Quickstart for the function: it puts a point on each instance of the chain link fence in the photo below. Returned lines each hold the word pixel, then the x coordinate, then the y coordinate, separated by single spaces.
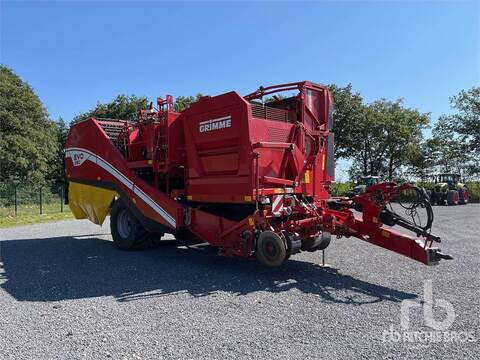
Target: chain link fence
pixel 21 199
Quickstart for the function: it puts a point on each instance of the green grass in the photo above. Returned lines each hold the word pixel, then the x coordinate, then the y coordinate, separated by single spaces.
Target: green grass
pixel 30 214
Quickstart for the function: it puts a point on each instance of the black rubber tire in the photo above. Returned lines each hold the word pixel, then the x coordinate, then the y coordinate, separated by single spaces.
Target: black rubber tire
pixel 452 197
pixel 127 232
pixel 437 198
pixel 324 243
pixel 429 196
pixel 463 196
pixel 316 243
pixel 271 250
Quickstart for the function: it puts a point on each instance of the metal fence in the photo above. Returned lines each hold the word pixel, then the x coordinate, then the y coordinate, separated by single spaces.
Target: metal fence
pixel 21 199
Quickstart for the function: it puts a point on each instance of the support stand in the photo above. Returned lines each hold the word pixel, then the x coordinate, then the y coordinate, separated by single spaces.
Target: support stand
pixel 324 265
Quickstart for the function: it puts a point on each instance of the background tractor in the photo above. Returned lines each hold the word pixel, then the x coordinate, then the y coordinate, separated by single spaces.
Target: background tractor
pixel 448 189
pixel 363 183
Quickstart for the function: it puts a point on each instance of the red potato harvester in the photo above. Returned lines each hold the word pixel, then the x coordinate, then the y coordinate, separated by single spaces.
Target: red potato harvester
pixel 248 177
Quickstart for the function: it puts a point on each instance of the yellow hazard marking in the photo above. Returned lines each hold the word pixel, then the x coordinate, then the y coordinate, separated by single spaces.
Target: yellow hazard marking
pixel 89 202
pixel 375 220
pixel 251 222
pixel 150 162
pixel 248 198
pixel 278 191
pixel 189 197
pixel 385 234
pixel 134 200
pixel 323 161
pixel 306 177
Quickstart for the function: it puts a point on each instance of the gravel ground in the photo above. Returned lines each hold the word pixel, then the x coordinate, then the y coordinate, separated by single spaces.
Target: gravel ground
pixel 67 293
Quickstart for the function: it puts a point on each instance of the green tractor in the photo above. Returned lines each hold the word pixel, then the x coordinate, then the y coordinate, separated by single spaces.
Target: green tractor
pixel 363 183
pixel 448 189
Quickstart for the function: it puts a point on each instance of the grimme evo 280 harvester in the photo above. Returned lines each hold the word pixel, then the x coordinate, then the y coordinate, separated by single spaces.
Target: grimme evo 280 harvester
pixel 248 177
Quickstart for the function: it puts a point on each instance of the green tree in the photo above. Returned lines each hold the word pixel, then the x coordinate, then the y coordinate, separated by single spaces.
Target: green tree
pixel 457 136
pixel 57 165
pixel 381 138
pixel 27 137
pixel 466 122
pixel 123 107
pixel 421 163
pixel 184 102
pixel 446 149
pixel 349 121
pixel 396 136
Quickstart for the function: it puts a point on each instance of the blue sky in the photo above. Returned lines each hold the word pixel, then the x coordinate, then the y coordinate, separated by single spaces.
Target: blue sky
pixel 77 53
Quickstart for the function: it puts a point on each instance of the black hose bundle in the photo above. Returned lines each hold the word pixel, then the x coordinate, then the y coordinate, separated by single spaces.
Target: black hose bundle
pixel 416 206
pixel 412 210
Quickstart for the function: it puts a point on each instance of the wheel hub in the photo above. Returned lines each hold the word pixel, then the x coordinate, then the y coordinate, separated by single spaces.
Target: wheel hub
pixel 271 249
pixel 124 224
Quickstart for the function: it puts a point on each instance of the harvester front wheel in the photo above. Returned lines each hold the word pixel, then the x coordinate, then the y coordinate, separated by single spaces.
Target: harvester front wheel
pixel 452 197
pixel 127 232
pixel 271 249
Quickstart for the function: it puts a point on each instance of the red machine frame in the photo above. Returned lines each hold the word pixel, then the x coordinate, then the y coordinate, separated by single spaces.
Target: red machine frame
pixel 230 168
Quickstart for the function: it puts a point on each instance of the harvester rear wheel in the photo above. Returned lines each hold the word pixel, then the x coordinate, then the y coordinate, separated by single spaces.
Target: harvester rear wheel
pixel 127 232
pixel 452 197
pixel 271 249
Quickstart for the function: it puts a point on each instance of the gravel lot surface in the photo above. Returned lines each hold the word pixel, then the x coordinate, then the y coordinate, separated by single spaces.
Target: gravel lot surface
pixel 67 293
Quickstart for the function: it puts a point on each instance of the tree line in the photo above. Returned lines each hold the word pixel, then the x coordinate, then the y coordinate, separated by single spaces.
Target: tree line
pixel 385 138
pixel 382 138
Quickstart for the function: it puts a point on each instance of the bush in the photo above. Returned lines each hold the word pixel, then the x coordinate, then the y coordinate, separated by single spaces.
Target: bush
pixel 340 189
pixel 474 190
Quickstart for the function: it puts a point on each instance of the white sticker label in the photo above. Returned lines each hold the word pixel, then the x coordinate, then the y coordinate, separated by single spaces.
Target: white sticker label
pixel 78 157
pixel 215 124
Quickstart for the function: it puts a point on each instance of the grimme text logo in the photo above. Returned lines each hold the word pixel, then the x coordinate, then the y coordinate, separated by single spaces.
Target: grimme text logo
pixel 215 124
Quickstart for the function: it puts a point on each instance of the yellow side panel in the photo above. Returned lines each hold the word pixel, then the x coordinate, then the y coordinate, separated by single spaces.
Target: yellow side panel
pixel 89 202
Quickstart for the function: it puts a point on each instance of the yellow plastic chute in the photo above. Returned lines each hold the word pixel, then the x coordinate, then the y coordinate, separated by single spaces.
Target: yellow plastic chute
pixel 90 202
